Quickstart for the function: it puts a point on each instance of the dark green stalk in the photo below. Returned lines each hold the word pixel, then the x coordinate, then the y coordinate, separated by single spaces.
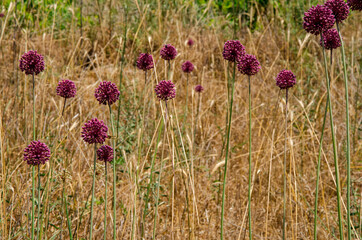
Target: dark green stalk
pixel 105 201
pixel 65 101
pixel 68 219
pixel 157 198
pixel 285 163
pixel 348 154
pixel 93 183
pixel 227 153
pixel 33 168
pixel 39 201
pixel 187 84
pixel 340 222
pixel 249 194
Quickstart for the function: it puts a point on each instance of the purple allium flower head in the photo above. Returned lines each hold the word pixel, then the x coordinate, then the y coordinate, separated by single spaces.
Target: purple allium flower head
pixel 285 79
pixel 165 90
pixel 190 42
pixel 107 93
pixel 2 15
pixel 339 8
pixel 36 153
pixel 145 61
pixel 66 89
pixel 187 67
pixel 31 63
pixel 233 50
pixel 248 65
pixel 168 52
pixel 199 88
pixel 105 153
pixel 318 19
pixel 355 5
pixel 94 131
pixel 331 39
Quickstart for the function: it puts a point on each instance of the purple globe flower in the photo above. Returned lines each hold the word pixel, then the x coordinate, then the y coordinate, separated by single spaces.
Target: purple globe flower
pixel 31 63
pixel 318 19
pixel 233 50
pixel 285 79
pixel 94 131
pixel 145 61
pixel 331 39
pixel 355 5
pixel 36 153
pixel 190 42
pixel 105 153
pixel 339 8
pixel 107 93
pixel 66 89
pixel 199 88
pixel 187 67
pixel 248 65
pixel 2 15
pixel 165 90
pixel 168 52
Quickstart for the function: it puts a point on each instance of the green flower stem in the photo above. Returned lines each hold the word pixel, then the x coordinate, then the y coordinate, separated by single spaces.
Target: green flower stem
pixel 93 183
pixel 249 193
pixel 39 201
pixel 227 153
pixel 348 152
pixel 340 222
pixel 285 163
pixel 33 168
pixel 105 201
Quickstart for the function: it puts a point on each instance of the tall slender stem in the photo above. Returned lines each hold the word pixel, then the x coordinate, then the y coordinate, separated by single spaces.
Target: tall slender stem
pixel 348 151
pixel 340 222
pixel 93 183
pixel 65 102
pixel 227 153
pixel 39 201
pixel 285 163
pixel 105 200
pixel 249 194
pixel 33 168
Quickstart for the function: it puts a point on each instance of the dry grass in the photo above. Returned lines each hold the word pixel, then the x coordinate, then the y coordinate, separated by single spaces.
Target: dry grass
pixel 191 158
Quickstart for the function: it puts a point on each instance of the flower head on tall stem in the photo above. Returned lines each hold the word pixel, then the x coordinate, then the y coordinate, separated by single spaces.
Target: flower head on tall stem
pixel 248 65
pixel 190 42
pixel 36 153
pixel 66 89
pixel 355 5
pixel 285 79
pixel 31 63
pixel 318 19
pixel 105 153
pixel 168 52
pixel 233 50
pixel 331 39
pixel 145 61
pixel 107 93
pixel 187 67
pixel 165 90
pixel 2 15
pixel 199 89
pixel 94 131
pixel 339 8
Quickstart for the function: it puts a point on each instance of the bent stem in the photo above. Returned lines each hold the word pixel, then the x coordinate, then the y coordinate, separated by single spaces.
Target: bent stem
pixel 249 193
pixel 105 200
pixel 93 183
pixel 285 162
pixel 227 153
pixel 334 144
pixel 348 154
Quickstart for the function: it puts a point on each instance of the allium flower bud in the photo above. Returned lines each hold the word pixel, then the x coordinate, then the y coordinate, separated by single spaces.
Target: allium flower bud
pixel 31 63
pixel 105 153
pixel 2 15
pixel 199 88
pixel 107 93
pixel 318 19
pixel 187 67
pixel 36 153
pixel 168 52
pixel 248 65
pixel 145 61
pixel 285 79
pixel 331 39
pixel 94 131
pixel 66 89
pixel 355 5
pixel 233 50
pixel 339 8
pixel 190 42
pixel 165 90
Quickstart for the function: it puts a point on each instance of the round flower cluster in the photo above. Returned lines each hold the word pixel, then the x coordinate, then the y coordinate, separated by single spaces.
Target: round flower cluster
pixel 285 79
pixel 66 89
pixel 165 90
pixel 107 93
pixel 199 88
pixel 105 153
pixel 233 50
pixel 331 39
pixel 318 19
pixel 190 42
pixel 339 8
pixel 145 61
pixel 94 131
pixel 31 63
pixel 248 65
pixel 187 67
pixel 355 5
pixel 168 52
pixel 36 153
